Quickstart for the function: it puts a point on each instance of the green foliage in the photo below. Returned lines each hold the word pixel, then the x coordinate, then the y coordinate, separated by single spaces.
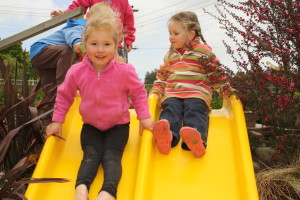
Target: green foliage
pixel 14 51
pixel 148 87
pixel 150 77
pixel 16 58
pixel 217 101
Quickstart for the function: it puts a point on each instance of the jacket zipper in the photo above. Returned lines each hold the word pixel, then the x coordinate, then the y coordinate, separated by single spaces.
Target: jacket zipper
pixel 98 75
pixel 181 56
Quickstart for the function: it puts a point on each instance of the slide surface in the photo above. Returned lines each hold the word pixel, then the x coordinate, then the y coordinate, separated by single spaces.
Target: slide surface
pixel 224 173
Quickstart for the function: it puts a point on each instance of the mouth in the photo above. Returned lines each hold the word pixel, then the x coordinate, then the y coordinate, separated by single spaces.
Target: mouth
pixel 100 57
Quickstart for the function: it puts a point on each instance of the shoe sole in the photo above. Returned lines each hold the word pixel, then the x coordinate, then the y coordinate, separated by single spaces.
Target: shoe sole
pixel 163 136
pixel 193 140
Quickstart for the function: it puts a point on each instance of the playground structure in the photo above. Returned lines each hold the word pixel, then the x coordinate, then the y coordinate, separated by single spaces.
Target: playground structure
pixel 225 172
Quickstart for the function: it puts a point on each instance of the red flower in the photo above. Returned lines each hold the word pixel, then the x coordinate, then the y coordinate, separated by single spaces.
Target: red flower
pixel 292 84
pixel 278 151
pixel 243 33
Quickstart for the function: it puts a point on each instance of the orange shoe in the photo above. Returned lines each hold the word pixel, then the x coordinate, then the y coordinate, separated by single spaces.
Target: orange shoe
pixel 163 136
pixel 193 140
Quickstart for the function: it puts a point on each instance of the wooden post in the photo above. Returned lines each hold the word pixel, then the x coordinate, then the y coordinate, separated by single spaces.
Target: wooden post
pixel 45 26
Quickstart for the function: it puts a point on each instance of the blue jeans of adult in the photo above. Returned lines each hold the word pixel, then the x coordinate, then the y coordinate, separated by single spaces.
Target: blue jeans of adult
pixel 106 148
pixel 191 112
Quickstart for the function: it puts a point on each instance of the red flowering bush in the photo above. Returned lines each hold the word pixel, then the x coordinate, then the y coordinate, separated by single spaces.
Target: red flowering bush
pixel 265 44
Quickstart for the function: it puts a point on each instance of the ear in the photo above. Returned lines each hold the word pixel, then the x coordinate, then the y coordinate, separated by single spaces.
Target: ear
pixel 192 34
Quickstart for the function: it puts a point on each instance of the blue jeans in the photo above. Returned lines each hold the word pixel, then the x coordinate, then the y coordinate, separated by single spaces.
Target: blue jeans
pixel 105 147
pixel 191 112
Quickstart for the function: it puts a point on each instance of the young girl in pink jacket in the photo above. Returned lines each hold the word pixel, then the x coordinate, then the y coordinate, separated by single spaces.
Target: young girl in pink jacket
pixel 104 85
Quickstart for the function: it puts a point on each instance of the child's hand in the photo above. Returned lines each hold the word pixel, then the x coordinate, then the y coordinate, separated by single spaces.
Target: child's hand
pixel 128 48
pixel 54 128
pixel 79 50
pixel 78 47
pixel 147 124
pixel 56 13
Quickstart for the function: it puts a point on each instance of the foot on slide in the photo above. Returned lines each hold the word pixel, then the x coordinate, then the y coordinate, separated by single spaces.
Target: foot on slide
pixel 192 138
pixel 163 136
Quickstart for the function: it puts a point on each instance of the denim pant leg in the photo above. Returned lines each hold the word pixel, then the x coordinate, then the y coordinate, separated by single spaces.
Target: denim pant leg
pixel 196 116
pixel 114 144
pixel 173 111
pixel 92 144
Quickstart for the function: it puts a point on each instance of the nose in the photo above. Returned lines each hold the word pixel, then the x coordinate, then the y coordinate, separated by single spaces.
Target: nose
pixel 100 48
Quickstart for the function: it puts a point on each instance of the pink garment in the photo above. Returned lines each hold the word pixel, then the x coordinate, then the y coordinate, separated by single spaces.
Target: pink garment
pixel 104 95
pixel 122 6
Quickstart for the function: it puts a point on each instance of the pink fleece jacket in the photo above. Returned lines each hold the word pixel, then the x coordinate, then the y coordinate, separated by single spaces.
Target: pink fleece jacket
pixel 122 6
pixel 104 95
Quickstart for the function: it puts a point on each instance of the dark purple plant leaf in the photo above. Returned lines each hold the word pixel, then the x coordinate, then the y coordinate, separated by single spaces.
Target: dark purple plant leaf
pixel 36 126
pixel 19 168
pixel 25 87
pixel 16 106
pixel 4 144
pixel 48 99
pixel 27 160
pixel 33 93
pixel 19 184
pixel 21 196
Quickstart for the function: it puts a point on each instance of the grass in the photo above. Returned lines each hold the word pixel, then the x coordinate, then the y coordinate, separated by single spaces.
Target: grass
pixel 279 183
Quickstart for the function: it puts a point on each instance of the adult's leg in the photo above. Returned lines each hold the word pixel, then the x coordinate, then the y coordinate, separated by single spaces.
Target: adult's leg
pixel 113 147
pixel 52 64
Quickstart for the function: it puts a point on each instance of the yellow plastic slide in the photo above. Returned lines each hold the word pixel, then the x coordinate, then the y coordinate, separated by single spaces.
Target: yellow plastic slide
pixel 224 173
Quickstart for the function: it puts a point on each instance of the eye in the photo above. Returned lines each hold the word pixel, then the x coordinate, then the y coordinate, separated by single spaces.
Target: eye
pixel 107 44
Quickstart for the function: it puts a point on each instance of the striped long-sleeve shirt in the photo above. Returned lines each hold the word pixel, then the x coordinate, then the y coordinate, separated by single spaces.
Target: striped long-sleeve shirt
pixel 194 74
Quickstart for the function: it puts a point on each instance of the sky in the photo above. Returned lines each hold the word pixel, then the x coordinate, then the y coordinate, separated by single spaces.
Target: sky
pixel 152 41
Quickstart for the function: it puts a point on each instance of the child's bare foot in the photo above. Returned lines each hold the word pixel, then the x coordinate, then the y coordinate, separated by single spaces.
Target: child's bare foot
pixel 163 136
pixel 103 195
pixel 192 139
pixel 81 193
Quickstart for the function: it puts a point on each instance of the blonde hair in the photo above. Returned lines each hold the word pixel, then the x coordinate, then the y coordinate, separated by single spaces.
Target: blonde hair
pixel 108 24
pixel 190 22
pixel 105 19
pixel 102 10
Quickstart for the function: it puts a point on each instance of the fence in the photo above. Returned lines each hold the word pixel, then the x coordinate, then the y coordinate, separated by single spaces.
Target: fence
pixel 20 82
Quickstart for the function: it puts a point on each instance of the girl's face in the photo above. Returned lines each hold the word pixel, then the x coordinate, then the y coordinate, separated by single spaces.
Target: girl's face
pixel 100 48
pixel 179 36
